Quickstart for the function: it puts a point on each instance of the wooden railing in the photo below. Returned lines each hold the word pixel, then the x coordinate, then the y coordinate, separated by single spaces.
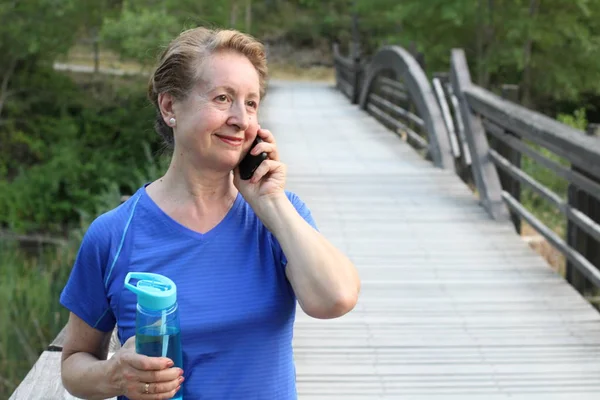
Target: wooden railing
pixel 349 72
pixel 394 89
pixel 43 382
pixel 484 138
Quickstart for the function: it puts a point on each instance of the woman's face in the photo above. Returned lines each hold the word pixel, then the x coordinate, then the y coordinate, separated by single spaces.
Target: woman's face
pixel 217 122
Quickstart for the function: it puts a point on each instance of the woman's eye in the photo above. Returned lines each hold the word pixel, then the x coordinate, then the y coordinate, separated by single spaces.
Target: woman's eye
pixel 252 104
pixel 222 98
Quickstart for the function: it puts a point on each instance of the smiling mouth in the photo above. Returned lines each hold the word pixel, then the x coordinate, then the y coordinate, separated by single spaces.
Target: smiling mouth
pixel 231 140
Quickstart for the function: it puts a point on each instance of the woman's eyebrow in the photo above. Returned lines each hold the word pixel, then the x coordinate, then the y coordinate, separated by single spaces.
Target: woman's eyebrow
pixel 231 91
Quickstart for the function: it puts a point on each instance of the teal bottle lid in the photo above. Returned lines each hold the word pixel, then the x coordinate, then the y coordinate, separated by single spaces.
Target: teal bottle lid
pixel 154 291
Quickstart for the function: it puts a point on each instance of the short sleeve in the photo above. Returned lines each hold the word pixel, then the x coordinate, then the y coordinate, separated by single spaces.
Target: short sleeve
pixel 85 294
pixel 305 213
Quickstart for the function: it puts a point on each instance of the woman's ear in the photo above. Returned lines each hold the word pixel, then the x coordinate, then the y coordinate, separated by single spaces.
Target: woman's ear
pixel 165 103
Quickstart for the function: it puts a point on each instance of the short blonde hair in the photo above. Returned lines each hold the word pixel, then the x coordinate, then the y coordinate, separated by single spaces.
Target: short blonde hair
pixel 180 65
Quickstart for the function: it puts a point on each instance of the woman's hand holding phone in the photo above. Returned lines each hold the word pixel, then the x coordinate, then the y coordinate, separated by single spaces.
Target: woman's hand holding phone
pixel 268 177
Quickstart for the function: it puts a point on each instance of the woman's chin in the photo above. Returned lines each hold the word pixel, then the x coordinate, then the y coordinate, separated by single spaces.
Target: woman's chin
pixel 219 161
pixel 228 162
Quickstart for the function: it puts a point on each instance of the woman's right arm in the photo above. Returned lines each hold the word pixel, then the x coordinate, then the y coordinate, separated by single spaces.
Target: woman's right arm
pixel 86 372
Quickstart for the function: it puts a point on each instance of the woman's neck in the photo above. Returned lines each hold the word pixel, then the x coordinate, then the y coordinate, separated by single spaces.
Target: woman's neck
pixel 185 187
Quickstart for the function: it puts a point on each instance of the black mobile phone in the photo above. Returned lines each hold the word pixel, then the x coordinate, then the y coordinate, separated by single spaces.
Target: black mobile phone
pixel 250 162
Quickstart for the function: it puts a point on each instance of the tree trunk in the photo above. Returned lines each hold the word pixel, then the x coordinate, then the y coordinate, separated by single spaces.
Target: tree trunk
pixel 489 44
pixel 5 82
pixel 479 39
pixel 485 41
pixel 233 13
pixel 526 79
pixel 248 16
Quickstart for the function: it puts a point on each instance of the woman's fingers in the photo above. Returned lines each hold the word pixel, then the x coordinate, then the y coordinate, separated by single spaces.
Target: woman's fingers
pixel 164 390
pixel 145 363
pixel 268 145
pixel 166 375
pixel 153 384
pixel 268 148
pixel 159 396
pixel 263 169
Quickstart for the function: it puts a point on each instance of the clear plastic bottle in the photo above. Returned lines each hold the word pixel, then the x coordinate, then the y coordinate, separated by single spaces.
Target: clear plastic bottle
pixel 157 331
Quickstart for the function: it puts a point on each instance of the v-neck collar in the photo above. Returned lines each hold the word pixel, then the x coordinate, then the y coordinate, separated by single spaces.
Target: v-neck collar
pixel 172 224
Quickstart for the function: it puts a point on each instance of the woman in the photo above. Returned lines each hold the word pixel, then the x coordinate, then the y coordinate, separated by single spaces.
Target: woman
pixel 241 252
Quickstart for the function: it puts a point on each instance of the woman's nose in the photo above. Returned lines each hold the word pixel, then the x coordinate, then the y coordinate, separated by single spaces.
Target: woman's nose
pixel 239 117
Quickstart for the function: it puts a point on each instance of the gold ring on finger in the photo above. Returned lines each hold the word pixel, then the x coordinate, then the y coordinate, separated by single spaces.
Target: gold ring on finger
pixel 147 388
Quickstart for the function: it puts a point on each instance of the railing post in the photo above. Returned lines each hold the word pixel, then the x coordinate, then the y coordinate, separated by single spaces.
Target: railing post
pixel 512 186
pixel 484 171
pixel 576 237
pixel 336 68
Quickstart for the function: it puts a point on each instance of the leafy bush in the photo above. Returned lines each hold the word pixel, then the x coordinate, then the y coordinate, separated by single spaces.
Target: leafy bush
pixel 31 282
pixel 135 34
pixel 546 212
pixel 63 146
pixel 32 316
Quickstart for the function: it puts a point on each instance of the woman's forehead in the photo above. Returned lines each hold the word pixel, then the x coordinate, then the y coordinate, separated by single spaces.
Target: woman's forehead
pixel 229 70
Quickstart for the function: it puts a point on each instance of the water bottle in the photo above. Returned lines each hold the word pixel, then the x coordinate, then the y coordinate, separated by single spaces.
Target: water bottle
pixel 157 332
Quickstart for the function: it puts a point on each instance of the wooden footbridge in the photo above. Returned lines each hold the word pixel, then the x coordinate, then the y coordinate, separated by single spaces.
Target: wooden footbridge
pixel 420 182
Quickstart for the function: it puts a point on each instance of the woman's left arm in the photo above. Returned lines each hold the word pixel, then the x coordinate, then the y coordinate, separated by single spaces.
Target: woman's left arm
pixel 324 280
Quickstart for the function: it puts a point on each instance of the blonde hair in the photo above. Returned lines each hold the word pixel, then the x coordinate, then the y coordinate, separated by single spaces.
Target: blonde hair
pixel 180 65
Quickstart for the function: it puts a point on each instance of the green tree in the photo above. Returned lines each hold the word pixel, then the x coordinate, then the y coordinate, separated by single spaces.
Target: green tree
pixel 139 34
pixel 24 41
pixel 548 47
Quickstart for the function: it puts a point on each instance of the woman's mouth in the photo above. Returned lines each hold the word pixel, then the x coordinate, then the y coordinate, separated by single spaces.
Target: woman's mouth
pixel 231 140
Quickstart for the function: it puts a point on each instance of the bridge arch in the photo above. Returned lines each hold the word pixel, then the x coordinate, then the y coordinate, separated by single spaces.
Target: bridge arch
pixel 400 62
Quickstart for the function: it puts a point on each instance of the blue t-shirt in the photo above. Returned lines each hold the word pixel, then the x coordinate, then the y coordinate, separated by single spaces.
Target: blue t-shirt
pixel 236 306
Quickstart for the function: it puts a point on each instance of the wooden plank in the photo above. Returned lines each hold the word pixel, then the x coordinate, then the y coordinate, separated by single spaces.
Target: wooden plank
pixel 484 172
pixel 580 180
pixel 460 127
pixel 346 62
pixel 580 262
pixel 43 381
pixel 584 240
pixel 396 85
pixel 407 115
pixel 583 222
pixel 58 342
pixel 400 127
pixel 400 97
pixel 570 143
pixel 443 102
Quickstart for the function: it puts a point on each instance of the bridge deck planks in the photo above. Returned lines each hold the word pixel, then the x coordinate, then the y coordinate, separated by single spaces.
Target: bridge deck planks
pixel 453 304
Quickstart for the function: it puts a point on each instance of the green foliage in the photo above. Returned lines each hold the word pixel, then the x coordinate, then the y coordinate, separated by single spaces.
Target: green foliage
pixel 66 144
pixel 139 35
pixel 31 315
pixel 31 281
pixel 435 29
pixel 546 212
pixel 578 120
pixel 52 32
pixel 496 36
pixel 24 45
